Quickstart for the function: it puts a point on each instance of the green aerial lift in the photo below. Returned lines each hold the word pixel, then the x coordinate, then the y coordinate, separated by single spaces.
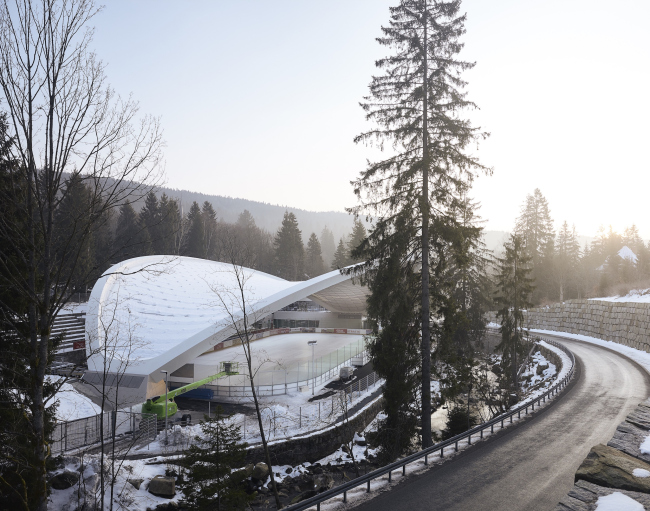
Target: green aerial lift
pixel 157 404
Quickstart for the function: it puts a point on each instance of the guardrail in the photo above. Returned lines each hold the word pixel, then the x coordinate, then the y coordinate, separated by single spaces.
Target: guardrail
pixel 478 430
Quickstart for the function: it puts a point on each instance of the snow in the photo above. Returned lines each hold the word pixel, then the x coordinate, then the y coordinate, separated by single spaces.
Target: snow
pixel 641 472
pixel 169 299
pixel 641 357
pixel 645 445
pixel 125 495
pixel 634 296
pixel 72 404
pixel 626 253
pixel 618 502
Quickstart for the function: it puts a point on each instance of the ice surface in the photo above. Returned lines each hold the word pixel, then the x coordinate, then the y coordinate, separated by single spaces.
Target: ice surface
pixel 618 502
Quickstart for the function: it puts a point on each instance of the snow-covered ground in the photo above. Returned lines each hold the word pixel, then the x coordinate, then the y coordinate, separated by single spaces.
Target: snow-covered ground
pixel 634 296
pixel 617 502
pixel 72 404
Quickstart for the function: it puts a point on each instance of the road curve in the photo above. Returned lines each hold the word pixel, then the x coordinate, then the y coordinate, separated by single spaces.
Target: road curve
pixel 530 466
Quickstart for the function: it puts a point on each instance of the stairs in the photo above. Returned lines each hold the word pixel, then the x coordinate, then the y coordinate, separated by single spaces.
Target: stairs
pixel 73 328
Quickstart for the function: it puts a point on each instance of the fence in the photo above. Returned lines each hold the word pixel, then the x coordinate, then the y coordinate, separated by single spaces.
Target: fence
pixel 89 431
pixel 439 447
pixel 299 377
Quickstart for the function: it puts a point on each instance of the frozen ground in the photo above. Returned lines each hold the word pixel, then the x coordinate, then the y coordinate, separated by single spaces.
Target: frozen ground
pixel 72 404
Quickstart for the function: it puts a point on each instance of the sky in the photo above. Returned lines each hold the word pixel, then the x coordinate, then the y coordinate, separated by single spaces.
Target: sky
pixel 259 99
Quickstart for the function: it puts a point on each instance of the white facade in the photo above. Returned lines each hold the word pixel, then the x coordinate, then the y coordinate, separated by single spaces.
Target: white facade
pixel 158 313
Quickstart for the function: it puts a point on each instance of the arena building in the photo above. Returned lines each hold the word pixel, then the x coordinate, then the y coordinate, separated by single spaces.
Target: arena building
pixel 158 314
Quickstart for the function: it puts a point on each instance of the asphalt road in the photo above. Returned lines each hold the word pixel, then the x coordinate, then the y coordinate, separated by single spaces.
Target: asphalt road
pixel 530 466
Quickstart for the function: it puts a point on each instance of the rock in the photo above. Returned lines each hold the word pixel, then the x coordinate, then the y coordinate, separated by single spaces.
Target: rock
pixel 611 468
pixel 345 449
pixel 584 495
pixel 288 470
pixel 323 482
pixel 317 470
pixel 162 486
pixel 361 442
pixel 263 490
pixel 64 480
pixel 260 472
pixel 541 368
pixel 496 369
pixel 282 494
pixel 135 483
pixel 241 474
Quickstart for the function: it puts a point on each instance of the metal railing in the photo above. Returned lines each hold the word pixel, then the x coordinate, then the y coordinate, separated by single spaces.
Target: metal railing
pixel 467 435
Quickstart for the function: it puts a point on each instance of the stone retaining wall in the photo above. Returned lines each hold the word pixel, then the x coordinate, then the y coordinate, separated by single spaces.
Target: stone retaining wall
pixel 626 323
pixel 314 447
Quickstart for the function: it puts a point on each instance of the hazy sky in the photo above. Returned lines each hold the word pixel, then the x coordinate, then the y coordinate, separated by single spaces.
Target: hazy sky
pixel 259 99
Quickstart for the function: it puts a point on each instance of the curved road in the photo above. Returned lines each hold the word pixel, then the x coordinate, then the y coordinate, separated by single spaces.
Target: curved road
pixel 531 465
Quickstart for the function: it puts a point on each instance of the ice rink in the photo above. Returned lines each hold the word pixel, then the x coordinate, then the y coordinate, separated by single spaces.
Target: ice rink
pixel 288 356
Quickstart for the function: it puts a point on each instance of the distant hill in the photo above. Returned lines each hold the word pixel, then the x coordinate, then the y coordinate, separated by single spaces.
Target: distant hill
pixel 267 216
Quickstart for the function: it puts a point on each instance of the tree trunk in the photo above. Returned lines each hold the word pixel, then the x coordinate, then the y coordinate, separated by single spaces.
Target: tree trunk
pixel 424 205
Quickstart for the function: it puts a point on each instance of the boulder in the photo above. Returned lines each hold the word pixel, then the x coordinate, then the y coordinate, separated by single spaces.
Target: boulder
pixel 611 468
pixel 135 483
pixel 162 486
pixel 323 482
pixel 303 496
pixel 260 472
pixel 584 495
pixel 243 473
pixel 64 480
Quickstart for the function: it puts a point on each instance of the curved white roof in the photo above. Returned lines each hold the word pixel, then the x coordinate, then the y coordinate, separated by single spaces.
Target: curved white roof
pixel 158 312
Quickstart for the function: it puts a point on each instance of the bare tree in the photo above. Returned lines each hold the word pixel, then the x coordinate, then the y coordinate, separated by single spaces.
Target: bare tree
pixel 65 120
pixel 236 302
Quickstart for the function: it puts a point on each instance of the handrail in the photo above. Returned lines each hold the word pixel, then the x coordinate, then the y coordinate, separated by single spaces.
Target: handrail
pixel 389 469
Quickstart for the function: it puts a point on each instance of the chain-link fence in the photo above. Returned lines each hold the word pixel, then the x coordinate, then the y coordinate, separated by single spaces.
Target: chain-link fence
pixel 128 429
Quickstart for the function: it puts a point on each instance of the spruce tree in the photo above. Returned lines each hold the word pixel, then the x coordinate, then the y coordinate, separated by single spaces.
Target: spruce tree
pixel 514 288
pixel 289 249
pixel 209 218
pixel 341 259
pixel 567 259
pixel 314 265
pixel 535 226
pixel 151 220
pixel 356 238
pixel 195 243
pixel 128 234
pixel 328 245
pixel 417 104
pixel 209 480
pixel 170 226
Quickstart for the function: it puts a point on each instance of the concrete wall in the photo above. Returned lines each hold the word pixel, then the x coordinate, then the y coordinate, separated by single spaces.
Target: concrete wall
pixel 626 323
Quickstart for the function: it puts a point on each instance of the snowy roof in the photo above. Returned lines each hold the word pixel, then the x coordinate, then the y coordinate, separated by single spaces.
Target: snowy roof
pixel 158 312
pixel 626 253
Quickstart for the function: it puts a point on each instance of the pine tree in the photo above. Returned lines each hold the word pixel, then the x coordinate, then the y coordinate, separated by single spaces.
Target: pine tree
pixel 417 104
pixel 209 482
pixel 535 226
pixel 258 243
pixel 514 288
pixel 328 245
pixel 341 259
pixel 314 265
pixel 356 238
pixel 195 243
pixel 289 249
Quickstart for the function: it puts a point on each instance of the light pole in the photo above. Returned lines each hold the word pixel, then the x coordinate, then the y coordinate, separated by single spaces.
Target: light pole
pixel 166 387
pixel 313 370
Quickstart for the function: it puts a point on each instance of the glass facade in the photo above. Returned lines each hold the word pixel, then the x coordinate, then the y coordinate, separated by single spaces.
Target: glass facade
pixel 295 323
